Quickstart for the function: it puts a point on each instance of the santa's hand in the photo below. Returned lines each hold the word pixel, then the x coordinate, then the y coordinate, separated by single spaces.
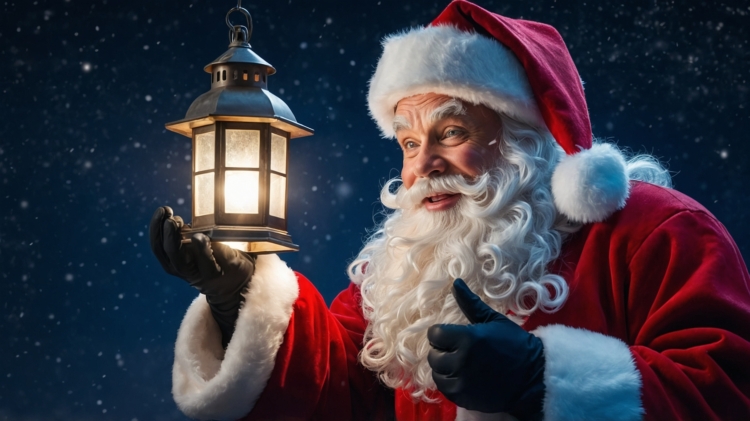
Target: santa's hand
pixel 491 365
pixel 217 271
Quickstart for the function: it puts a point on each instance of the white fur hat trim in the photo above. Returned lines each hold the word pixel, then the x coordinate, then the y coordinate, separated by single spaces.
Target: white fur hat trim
pixel 446 60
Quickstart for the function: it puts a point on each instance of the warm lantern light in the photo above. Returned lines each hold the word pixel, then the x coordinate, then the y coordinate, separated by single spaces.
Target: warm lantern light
pixel 240 134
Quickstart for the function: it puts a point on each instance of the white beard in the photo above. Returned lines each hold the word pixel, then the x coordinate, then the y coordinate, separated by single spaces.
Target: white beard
pixel 499 238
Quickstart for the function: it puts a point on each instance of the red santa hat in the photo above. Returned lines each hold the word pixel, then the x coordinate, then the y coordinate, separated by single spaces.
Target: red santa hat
pixel 518 68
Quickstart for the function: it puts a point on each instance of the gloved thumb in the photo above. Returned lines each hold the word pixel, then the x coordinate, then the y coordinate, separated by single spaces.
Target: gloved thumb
pixel 476 310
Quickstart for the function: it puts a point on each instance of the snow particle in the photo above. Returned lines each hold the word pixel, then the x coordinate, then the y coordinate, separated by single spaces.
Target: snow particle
pixel 104 240
pixel 302 45
pixel 24 204
pixel 352 63
pixel 180 201
pixel 145 350
pixel 146 47
pixel 148 98
pixel 724 154
pixel 314 188
pixel 343 190
pixel 86 67
pixel 365 160
pixel 69 277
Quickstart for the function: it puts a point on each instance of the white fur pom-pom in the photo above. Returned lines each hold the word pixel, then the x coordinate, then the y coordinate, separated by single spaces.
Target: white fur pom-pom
pixel 592 184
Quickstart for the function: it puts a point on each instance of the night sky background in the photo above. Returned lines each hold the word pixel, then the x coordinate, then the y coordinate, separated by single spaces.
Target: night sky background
pixel 88 318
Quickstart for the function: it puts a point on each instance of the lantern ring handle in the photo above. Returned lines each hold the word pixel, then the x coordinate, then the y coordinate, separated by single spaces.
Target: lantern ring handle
pixel 244 11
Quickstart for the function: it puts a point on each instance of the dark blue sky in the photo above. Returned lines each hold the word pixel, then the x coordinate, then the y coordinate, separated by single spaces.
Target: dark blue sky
pixel 88 316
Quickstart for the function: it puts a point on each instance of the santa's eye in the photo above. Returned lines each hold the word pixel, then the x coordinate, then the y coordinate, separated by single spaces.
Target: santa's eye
pixel 452 133
pixel 410 144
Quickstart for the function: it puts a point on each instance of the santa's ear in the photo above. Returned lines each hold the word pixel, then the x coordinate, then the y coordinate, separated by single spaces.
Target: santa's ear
pixel 476 310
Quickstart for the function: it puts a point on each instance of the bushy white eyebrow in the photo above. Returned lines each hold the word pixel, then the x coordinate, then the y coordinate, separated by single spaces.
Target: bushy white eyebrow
pixel 449 108
pixel 400 123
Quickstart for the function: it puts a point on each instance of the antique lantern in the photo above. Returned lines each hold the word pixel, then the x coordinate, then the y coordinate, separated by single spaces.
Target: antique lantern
pixel 240 133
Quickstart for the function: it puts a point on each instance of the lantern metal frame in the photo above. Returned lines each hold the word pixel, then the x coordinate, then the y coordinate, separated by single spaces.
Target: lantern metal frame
pixel 239 100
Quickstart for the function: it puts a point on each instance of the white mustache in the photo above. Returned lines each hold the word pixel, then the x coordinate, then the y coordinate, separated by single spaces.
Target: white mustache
pixel 412 198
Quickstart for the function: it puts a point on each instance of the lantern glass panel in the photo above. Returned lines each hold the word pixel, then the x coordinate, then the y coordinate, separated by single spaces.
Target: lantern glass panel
pixel 278 153
pixel 205 156
pixel 277 196
pixel 241 191
pixel 204 194
pixel 243 148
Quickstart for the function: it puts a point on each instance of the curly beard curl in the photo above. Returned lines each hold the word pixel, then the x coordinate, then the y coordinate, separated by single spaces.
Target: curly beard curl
pixel 499 238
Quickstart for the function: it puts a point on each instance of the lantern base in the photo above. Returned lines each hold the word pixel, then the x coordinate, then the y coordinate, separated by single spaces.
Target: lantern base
pixel 250 240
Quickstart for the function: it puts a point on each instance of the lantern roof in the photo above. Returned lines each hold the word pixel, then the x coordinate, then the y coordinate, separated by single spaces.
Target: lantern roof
pixel 239 91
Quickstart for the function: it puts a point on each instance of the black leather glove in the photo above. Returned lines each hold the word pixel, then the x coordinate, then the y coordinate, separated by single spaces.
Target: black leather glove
pixel 217 271
pixel 491 365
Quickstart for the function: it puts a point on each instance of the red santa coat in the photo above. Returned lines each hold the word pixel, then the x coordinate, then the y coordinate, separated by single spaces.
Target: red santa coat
pixel 656 327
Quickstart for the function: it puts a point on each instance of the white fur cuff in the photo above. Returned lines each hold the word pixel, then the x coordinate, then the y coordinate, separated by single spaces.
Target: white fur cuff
pixel 588 376
pixel 592 184
pixel 208 383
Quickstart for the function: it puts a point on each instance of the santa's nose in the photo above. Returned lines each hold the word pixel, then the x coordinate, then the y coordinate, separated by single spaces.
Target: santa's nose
pixel 429 163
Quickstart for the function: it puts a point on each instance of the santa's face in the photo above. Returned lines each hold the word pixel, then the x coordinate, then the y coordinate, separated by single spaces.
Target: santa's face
pixel 499 236
pixel 440 135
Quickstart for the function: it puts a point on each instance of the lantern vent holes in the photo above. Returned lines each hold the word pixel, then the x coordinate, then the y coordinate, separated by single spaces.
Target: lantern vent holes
pixel 233 74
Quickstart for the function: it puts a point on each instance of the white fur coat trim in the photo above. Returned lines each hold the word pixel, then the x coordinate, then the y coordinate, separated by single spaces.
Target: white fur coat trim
pixel 446 60
pixel 209 383
pixel 592 184
pixel 588 376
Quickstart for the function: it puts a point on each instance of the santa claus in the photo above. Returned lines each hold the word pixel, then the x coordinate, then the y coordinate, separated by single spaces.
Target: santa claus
pixel 523 273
